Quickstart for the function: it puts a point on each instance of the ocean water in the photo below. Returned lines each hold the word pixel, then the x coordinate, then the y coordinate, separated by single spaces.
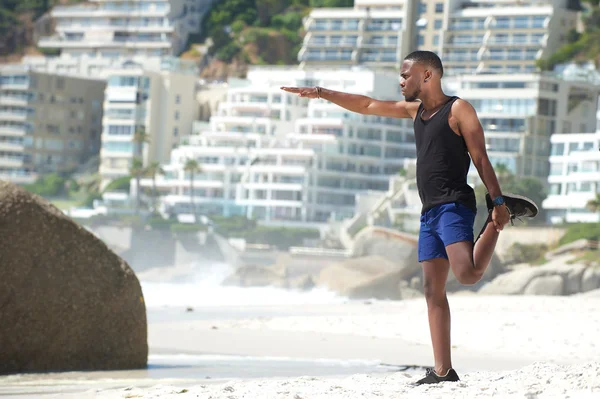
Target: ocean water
pixel 202 287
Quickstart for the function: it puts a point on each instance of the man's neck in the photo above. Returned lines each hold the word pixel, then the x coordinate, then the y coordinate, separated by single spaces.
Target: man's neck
pixel 434 102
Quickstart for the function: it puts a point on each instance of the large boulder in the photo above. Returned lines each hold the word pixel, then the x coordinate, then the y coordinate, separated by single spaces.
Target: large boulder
pixel 370 277
pixel 558 277
pixel 67 302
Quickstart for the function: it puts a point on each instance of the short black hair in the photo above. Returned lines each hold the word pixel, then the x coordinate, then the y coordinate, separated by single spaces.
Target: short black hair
pixel 427 58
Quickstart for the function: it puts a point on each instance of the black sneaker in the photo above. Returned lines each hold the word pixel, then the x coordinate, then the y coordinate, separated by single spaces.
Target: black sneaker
pixel 432 378
pixel 518 206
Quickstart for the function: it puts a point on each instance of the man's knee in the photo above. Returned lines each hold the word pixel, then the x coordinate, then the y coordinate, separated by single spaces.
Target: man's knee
pixel 433 292
pixel 468 275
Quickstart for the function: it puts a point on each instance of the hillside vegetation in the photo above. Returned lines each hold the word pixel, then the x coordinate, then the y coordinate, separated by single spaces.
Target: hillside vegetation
pixel 258 32
pixel 16 23
pixel 581 46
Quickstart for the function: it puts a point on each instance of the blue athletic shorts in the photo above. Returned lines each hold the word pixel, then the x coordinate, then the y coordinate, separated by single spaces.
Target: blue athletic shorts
pixel 443 225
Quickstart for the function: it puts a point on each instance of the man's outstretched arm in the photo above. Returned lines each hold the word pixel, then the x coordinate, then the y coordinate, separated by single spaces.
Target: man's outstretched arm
pixel 358 103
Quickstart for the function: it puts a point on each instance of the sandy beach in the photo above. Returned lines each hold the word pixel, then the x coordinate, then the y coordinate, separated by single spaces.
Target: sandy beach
pixel 522 347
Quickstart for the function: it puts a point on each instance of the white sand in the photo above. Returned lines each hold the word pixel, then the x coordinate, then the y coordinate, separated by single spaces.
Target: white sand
pixel 521 347
pixel 535 381
pixel 562 329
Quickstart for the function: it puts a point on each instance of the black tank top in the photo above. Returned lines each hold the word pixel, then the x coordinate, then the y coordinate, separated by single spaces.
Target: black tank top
pixel 442 161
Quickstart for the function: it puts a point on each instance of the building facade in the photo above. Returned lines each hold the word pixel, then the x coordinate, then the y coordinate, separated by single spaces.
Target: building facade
pixel 519 114
pixel 272 155
pixel 112 29
pixel 48 123
pixel 506 36
pixel 372 33
pixel 161 104
pixel 574 178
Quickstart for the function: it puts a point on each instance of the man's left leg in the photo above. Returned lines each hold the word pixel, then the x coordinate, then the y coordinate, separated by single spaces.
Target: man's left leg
pixel 468 260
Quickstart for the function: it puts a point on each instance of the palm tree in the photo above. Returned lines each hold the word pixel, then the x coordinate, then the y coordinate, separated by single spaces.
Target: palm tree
pixel 140 137
pixel 594 204
pixel 504 174
pixel 192 167
pixel 137 171
pixel 152 170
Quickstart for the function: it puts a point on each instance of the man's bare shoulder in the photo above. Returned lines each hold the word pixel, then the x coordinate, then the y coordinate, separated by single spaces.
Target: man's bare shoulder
pixel 461 106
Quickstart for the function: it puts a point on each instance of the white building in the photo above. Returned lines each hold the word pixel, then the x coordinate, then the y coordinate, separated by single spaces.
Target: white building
pixel 112 28
pixel 520 112
pixel 275 156
pixel 48 123
pixel 574 178
pixel 475 36
pixel 372 33
pixel 161 103
pixel 506 36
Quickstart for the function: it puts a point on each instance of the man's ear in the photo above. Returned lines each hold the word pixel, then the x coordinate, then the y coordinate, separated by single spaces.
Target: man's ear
pixel 427 75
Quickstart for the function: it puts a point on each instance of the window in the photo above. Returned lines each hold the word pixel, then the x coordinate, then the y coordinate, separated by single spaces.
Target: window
pixel 556 169
pixel 557 149
pixel 119 130
pixel 178 99
pixel 437 24
pixel 175 132
pixel 439 7
pixel 547 107
pixel 555 189
pixel 176 115
pixel 573 147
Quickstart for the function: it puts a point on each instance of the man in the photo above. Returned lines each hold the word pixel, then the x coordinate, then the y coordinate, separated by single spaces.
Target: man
pixel 448 136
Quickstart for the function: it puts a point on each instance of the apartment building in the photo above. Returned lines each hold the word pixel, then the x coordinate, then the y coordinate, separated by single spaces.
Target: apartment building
pixel 162 104
pixel 117 28
pixel 48 123
pixel 520 113
pixel 574 178
pixel 373 33
pixel 275 156
pixel 506 36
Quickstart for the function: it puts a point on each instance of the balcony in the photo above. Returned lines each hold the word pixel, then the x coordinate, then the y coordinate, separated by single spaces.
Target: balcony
pixel 143 10
pixel 61 42
pixel 8 146
pixel 12 131
pixel 14 116
pixel 13 100
pixel 14 161
pixel 19 177
pixel 79 27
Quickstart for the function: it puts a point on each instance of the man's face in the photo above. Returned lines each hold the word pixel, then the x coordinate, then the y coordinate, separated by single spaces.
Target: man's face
pixel 410 80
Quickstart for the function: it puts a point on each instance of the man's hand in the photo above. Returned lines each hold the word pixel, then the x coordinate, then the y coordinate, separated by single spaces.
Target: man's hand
pixel 500 217
pixel 308 92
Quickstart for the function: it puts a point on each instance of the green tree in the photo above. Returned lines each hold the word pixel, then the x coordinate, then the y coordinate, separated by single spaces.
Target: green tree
pixel 153 170
pixel 137 171
pixel 594 204
pixel 192 167
pixel 140 137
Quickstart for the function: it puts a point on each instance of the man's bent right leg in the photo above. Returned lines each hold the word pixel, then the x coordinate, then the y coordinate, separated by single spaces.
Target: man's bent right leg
pixel 435 274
